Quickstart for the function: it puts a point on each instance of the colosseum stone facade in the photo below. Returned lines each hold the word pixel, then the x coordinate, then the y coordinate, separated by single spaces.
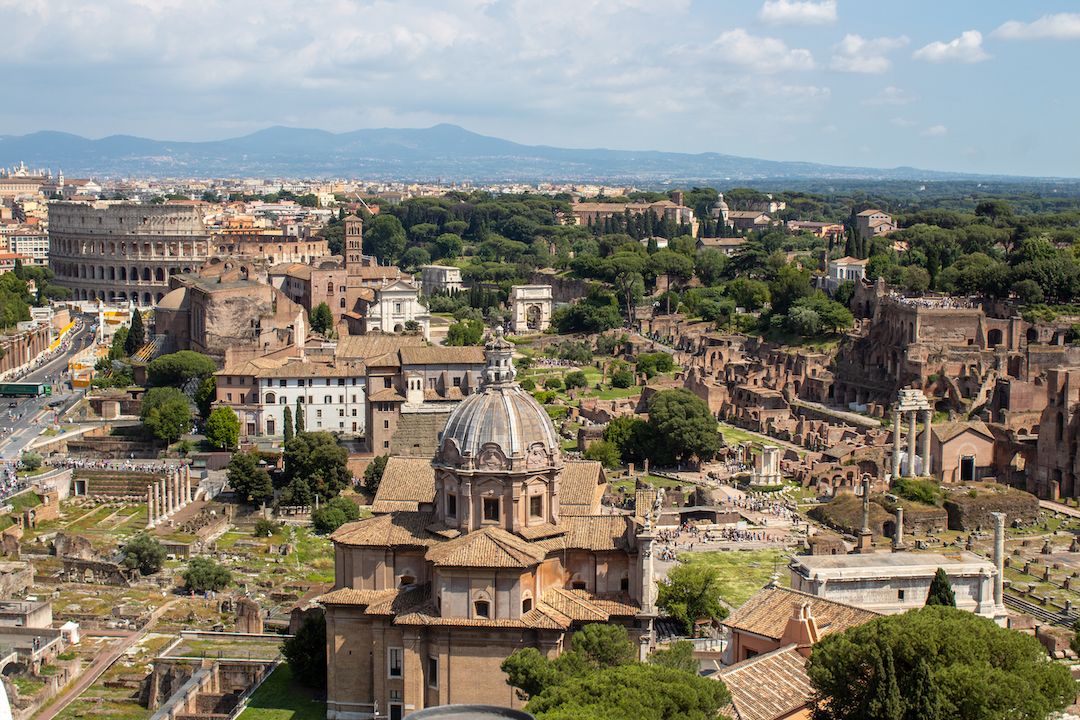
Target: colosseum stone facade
pixel 118 251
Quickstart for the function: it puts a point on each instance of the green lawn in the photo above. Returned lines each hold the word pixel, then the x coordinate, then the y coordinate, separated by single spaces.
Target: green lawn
pixel 654 480
pixel 279 698
pixel 734 435
pixel 743 572
pixel 25 500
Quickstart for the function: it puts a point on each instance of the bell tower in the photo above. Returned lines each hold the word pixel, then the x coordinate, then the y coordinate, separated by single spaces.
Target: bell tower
pixel 354 244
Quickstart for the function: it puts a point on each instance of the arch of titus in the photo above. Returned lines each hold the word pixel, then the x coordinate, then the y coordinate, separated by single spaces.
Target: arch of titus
pixel 168 495
pixel 909 404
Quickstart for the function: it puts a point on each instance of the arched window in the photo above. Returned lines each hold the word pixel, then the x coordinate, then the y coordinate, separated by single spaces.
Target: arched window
pixel 407 580
pixel 330 287
pixel 270 398
pixel 341 303
pixel 482 609
pixel 526 605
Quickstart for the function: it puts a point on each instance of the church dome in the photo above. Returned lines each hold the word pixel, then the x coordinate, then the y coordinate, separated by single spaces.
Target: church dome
pixel 502 427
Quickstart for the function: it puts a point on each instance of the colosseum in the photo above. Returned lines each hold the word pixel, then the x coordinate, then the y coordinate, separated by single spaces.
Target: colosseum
pixel 119 252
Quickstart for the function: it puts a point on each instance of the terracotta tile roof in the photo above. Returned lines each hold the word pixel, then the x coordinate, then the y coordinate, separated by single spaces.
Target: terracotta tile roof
pixel 768 686
pixel 406 482
pixel 310 369
pixel 370 346
pixel 488 548
pixel 767 613
pixel 589 532
pixel 581 606
pixel 537 532
pixel 386 395
pixel 581 488
pixel 947 431
pixel 402 528
pixel 434 355
pixel 450 394
pixel 541 617
pixel 362 598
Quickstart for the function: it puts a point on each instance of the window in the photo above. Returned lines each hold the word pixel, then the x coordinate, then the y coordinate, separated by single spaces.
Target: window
pixel 899 594
pixel 457 382
pixel 341 412
pixel 385 444
pixel 228 397
pixel 451 505
pixel 433 672
pixel 396 711
pixel 386 424
pixel 354 412
pixel 282 383
pixel 491 509
pixel 353 398
pixel 327 399
pixel 536 505
pixel 482 609
pixel 228 380
pixel 270 427
pixel 318 413
pixel 397 308
pixel 341 398
pixel 386 382
pixel 578 585
pixel 283 400
pixel 526 605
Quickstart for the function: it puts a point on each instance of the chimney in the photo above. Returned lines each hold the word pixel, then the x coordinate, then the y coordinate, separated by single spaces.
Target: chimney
pixel 801 630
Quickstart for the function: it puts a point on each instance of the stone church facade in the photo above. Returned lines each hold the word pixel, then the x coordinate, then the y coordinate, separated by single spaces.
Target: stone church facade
pixel 498 544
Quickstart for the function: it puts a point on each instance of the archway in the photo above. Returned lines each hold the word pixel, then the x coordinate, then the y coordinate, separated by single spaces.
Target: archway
pixel 532 317
pixel 994 337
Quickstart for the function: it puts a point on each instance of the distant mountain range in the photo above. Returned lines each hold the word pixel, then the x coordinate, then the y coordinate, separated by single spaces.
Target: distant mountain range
pixel 444 152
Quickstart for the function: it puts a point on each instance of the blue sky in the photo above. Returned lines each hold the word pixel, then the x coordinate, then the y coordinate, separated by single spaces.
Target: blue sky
pixel 981 86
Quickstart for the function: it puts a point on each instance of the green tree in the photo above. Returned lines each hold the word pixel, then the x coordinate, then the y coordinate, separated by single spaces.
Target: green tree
pixel 322 319
pixel 306 652
pixel 299 422
pixel 332 515
pixel 136 336
pixel 373 473
pixel 603 645
pixel 166 413
pixel 941 592
pixel 604 452
pixel 790 284
pixel 691 592
pixel 622 378
pixel 575 379
pixel 288 423
pixel 652 364
pixel 143 553
pixel 631 692
pixel 385 238
pixel 265 528
pixel 465 332
pixel 119 342
pixel 205 395
pixel 31 460
pixel 248 479
pixel 223 428
pixel 948 664
pixel 318 460
pixel 297 492
pixel 685 422
pixel 178 368
pixel 678 655
pixel 204 574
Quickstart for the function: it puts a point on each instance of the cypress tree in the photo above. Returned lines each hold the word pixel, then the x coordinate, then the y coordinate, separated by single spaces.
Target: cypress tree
pixel 136 337
pixel 299 416
pixel 288 424
pixel 885 703
pixel 923 701
pixel 941 592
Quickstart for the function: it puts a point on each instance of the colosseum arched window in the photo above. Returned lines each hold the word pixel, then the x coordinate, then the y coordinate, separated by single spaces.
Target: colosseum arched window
pixel 123 273
pixel 146 278
pixel 112 248
pixel 112 273
pixel 159 275
pixel 100 272
pixel 134 274
pixel 146 298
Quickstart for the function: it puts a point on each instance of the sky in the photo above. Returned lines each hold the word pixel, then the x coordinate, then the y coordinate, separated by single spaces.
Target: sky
pixel 985 86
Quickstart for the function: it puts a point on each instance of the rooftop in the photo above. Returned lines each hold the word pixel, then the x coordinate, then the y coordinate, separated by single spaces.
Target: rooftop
pixel 767 613
pixel 769 686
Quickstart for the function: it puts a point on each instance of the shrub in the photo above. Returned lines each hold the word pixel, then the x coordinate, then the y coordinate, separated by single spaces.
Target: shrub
pixel 31 460
pixel 204 574
pixel 265 528
pixel 919 490
pixel 622 379
pixel 575 379
pixel 528 384
pixel 553 382
pixel 334 514
pixel 144 553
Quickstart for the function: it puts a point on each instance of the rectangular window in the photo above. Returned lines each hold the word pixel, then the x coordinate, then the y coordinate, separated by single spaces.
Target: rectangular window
pixel 251 428
pixel 318 413
pixel 457 382
pixel 341 398
pixel 341 412
pixel 451 505
pixel 327 399
pixel 386 424
pixel 396 711
pixel 340 381
pixel 228 380
pixel 228 397
pixel 536 505
pixel 395 660
pixel 491 509
pixel 899 594
pixel 353 398
pixel 282 383
pixel 354 412
pixel 433 672
pixel 385 444
pixel 386 382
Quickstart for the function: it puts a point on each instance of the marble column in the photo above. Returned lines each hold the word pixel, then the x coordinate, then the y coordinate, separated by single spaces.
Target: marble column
pixel 159 505
pixel 866 504
pixel 175 485
pixel 897 445
pixel 928 418
pixel 187 486
pixel 898 534
pixel 913 437
pixel 149 506
pixel 647 572
pixel 999 558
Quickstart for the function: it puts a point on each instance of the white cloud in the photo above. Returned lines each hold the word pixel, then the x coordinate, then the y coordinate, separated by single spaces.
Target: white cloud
pixel 965 49
pixel 857 54
pixel 1060 26
pixel 891 95
pixel 762 54
pixel 935 131
pixel 799 12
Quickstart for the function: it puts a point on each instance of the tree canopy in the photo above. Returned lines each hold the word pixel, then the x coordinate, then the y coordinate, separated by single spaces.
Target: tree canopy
pixel 317 460
pixel 248 479
pixel 685 422
pixel 144 553
pixel 177 368
pixel 166 413
pixel 941 592
pixel 691 592
pixel 935 663
pixel 332 515
pixel 204 574
pixel 223 428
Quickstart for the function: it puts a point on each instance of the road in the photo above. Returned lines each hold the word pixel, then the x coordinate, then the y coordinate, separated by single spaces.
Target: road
pixel 98 667
pixel 23 419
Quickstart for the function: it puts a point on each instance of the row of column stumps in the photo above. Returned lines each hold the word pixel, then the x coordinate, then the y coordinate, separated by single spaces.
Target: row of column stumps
pixel 168 495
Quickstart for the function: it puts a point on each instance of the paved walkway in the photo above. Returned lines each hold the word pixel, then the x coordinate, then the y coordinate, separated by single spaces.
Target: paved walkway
pixel 98 667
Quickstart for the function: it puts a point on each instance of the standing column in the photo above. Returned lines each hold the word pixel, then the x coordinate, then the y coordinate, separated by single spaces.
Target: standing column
pixel 866 504
pixel 913 437
pixel 170 498
pixel 897 445
pixel 898 535
pixel 999 558
pixel 174 486
pixel 187 485
pixel 149 506
pixel 159 508
pixel 928 419
pixel 648 586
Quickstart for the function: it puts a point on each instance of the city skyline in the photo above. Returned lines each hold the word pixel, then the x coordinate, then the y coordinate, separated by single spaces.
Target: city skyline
pixel 966 87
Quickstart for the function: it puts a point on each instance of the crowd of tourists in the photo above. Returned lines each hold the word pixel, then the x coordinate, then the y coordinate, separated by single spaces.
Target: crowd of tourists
pixel 118 465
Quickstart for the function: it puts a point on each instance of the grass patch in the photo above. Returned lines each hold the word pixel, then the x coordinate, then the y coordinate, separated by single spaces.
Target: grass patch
pixel 627 484
pixel 733 435
pixel 27 686
pixel 25 500
pixel 279 698
pixel 743 572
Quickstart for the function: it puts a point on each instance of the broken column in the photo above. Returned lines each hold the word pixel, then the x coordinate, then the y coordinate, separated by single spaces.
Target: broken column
pixel 898 534
pixel 866 538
